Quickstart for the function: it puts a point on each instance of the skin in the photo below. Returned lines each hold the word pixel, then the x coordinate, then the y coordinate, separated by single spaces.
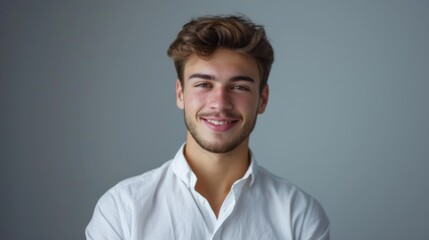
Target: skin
pixel 221 100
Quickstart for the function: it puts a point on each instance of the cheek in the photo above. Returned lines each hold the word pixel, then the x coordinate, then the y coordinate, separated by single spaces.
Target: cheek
pixel 194 100
pixel 248 105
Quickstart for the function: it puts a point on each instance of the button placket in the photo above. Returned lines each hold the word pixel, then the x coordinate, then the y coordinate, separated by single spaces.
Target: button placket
pixel 202 205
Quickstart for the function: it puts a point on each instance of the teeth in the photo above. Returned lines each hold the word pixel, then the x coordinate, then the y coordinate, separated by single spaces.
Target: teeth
pixel 218 122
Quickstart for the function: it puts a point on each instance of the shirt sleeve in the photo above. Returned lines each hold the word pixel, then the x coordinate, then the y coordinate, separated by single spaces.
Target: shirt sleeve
pixel 317 223
pixel 106 220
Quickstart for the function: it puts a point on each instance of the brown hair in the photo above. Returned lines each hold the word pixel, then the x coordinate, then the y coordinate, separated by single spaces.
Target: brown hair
pixel 203 35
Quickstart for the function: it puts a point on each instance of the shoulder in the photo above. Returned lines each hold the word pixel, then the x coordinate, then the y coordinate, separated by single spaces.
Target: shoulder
pixel 279 187
pixel 143 182
pixel 303 209
pixel 136 188
pixel 267 181
pixel 114 212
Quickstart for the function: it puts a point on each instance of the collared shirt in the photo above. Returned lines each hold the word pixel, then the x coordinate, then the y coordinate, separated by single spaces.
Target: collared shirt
pixel 163 204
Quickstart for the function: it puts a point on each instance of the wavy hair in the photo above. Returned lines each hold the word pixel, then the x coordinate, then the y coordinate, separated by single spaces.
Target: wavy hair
pixel 203 35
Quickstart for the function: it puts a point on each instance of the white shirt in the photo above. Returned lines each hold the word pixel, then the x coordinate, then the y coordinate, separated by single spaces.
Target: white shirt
pixel 163 204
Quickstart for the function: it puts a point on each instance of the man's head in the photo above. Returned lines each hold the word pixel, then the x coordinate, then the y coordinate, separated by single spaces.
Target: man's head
pixel 204 35
pixel 223 65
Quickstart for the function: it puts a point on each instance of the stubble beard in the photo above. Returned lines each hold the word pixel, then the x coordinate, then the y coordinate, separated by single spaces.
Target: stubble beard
pixel 225 146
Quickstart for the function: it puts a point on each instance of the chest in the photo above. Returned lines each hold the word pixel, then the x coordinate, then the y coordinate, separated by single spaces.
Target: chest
pixel 185 216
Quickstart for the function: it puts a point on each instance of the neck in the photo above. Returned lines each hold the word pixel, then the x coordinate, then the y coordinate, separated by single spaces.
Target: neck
pixel 216 172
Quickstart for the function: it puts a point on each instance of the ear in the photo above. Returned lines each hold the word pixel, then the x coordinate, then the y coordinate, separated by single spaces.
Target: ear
pixel 179 95
pixel 263 99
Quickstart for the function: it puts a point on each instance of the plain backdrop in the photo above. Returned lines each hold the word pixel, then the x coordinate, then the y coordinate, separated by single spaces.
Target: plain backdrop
pixel 87 99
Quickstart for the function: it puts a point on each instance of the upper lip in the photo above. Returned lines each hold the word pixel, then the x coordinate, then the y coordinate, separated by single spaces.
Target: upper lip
pixel 219 122
pixel 219 119
pixel 219 116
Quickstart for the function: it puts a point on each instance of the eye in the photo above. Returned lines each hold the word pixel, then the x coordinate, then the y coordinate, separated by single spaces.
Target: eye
pixel 241 87
pixel 203 85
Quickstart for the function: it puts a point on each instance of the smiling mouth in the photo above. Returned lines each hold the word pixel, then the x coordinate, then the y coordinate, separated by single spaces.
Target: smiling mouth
pixel 218 123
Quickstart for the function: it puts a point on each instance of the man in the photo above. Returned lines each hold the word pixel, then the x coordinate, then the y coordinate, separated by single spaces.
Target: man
pixel 213 188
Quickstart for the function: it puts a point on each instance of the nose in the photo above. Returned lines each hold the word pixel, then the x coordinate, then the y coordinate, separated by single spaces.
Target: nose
pixel 220 99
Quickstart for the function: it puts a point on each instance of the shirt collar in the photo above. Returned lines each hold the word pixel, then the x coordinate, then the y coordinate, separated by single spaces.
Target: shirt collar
pixel 184 172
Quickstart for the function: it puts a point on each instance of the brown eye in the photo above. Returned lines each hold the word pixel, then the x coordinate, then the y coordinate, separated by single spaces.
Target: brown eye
pixel 240 87
pixel 203 85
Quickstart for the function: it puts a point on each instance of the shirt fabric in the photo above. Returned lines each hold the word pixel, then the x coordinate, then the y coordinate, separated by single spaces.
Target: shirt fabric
pixel 163 204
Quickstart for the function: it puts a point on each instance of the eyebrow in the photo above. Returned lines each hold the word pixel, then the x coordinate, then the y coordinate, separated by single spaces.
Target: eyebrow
pixel 202 76
pixel 243 78
pixel 210 77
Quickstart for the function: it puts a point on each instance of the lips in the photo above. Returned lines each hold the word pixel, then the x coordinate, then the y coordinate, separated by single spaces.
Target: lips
pixel 219 125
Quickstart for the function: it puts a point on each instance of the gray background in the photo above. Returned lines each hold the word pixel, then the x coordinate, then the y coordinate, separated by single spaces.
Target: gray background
pixel 87 99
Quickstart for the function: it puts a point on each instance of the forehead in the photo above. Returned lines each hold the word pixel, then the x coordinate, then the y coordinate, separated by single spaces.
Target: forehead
pixel 223 63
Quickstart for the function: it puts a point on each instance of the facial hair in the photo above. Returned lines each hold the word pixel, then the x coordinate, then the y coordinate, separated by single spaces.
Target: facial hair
pixel 224 146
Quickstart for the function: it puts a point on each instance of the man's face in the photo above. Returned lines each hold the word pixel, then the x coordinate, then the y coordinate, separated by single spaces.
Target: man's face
pixel 221 99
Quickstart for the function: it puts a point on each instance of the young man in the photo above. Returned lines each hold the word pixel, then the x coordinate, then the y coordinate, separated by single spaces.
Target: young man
pixel 213 188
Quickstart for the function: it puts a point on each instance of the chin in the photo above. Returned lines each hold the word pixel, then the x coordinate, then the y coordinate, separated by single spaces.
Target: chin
pixel 219 146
